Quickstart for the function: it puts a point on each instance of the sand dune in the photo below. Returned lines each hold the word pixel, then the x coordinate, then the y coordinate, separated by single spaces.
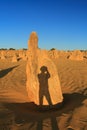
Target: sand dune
pixel 16 113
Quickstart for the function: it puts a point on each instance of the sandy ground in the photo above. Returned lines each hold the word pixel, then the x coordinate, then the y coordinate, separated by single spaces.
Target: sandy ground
pixel 16 113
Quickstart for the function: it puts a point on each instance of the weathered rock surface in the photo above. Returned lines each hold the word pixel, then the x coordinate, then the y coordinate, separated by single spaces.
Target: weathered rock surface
pixel 3 55
pixel 53 54
pixel 14 58
pixel 43 85
pixel 76 55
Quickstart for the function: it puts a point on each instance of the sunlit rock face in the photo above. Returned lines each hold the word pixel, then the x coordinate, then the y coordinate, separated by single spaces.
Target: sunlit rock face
pixel 43 85
pixel 76 55
pixel 53 54
pixel 14 58
pixel 3 55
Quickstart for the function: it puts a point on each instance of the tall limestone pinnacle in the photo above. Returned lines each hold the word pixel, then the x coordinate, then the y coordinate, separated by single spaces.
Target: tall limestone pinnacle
pixel 43 85
pixel 33 41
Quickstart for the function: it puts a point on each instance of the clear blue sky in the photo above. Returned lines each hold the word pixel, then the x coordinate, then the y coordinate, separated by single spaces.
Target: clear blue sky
pixel 60 24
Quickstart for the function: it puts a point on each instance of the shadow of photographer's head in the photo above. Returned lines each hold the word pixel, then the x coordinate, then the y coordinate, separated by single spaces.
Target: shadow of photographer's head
pixel 43 69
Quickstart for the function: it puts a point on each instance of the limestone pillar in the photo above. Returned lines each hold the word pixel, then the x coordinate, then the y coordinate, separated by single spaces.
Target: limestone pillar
pixel 43 85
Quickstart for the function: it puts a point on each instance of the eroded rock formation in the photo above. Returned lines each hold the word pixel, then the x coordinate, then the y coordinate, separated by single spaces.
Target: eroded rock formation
pixel 14 58
pixel 76 55
pixel 43 85
pixel 3 57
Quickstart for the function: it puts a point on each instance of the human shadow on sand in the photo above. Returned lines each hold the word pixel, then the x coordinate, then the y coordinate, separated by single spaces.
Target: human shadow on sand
pixel 43 85
pixel 6 71
pixel 28 116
